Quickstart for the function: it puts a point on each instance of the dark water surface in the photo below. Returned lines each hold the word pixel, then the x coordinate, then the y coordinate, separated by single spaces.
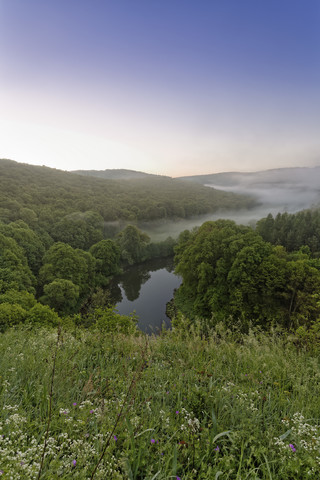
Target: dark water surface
pixel 146 289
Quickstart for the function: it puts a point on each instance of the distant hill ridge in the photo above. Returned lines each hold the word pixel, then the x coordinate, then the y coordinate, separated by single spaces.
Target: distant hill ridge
pixel 116 174
pixel 291 175
pixel 275 176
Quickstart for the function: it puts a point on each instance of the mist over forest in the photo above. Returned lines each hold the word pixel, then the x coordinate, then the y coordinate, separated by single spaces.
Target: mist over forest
pixel 274 191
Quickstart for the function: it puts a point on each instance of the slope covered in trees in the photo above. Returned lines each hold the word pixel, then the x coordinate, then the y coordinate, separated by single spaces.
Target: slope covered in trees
pixel 47 196
pixel 231 274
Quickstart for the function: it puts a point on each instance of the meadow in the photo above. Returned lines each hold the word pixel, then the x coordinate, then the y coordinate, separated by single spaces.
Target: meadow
pixel 84 404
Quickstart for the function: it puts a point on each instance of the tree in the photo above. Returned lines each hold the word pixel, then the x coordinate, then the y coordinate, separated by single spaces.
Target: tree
pixel 64 262
pixel 78 229
pixel 107 255
pixel 28 240
pixel 42 316
pixel 62 295
pixel 132 243
pixel 11 315
pixel 14 271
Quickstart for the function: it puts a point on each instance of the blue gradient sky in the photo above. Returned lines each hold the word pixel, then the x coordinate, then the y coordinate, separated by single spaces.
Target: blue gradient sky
pixel 176 87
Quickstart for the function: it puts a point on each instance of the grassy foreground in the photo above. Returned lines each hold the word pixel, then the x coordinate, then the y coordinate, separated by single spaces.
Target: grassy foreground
pixel 90 405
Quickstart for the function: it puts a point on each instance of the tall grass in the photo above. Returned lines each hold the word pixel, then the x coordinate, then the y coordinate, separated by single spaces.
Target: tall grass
pixel 180 406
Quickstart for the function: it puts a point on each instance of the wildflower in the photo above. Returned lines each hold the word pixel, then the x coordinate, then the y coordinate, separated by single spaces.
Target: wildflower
pixel 217 449
pixel 177 412
pixel 1 472
pixel 178 478
pixel 115 438
pixel 74 404
pixel 152 440
pixel 292 447
pixel 74 462
pixel 91 411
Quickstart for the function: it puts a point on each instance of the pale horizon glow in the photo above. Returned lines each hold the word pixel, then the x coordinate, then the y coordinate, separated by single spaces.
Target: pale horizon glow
pixel 160 88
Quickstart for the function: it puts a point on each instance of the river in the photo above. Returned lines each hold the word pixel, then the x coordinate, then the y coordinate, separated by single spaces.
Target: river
pixel 146 289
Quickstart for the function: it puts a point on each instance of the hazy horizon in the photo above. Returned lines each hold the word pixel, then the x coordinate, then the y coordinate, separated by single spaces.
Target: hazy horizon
pixel 172 88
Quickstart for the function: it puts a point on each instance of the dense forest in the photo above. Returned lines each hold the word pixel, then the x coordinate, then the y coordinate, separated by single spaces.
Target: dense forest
pixel 231 274
pixel 47 196
pixel 57 256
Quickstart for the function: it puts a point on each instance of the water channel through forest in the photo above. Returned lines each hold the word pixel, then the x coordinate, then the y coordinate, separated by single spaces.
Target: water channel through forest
pixel 146 289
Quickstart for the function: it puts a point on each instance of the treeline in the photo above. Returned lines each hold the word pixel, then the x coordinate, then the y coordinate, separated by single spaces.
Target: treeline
pixel 41 278
pixel 292 230
pixel 47 197
pixel 231 274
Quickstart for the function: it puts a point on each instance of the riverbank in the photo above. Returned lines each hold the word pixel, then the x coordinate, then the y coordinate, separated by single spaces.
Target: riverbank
pixel 172 406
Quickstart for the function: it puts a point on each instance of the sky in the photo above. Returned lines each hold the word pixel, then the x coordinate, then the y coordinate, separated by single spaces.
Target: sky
pixel 172 87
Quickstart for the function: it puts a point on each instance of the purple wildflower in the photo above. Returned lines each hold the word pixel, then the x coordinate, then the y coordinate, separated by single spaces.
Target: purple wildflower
pixel 1 472
pixel 74 404
pixel 74 462
pixel 91 411
pixel 217 449
pixel 178 478
pixel 115 438
pixel 152 440
pixel 177 412
pixel 292 447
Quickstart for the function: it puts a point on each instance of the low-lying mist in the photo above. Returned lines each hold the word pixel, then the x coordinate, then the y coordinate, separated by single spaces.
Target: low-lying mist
pixel 273 199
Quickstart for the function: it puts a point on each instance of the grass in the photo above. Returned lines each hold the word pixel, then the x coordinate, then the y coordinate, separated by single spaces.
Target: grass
pixel 167 407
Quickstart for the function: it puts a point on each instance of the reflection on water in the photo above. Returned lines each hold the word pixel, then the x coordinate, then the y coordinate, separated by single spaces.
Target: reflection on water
pixel 146 289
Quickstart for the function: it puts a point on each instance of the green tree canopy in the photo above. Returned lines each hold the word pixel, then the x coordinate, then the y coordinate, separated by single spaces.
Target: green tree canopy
pixel 107 256
pixel 132 243
pixel 231 273
pixel 14 270
pixel 62 295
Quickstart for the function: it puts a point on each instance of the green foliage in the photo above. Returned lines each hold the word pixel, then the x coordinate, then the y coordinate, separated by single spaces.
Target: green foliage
pixel 133 243
pixel 10 315
pixel 62 295
pixel 64 262
pixel 14 271
pixel 161 249
pixel 28 240
pixel 231 273
pixel 21 307
pixel 24 299
pixel 55 200
pixel 79 230
pixel 107 255
pixel 42 316
pixel 108 320
pixel 292 230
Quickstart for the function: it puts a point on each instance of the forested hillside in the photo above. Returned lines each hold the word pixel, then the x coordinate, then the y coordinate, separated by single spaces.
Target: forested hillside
pixel 47 196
